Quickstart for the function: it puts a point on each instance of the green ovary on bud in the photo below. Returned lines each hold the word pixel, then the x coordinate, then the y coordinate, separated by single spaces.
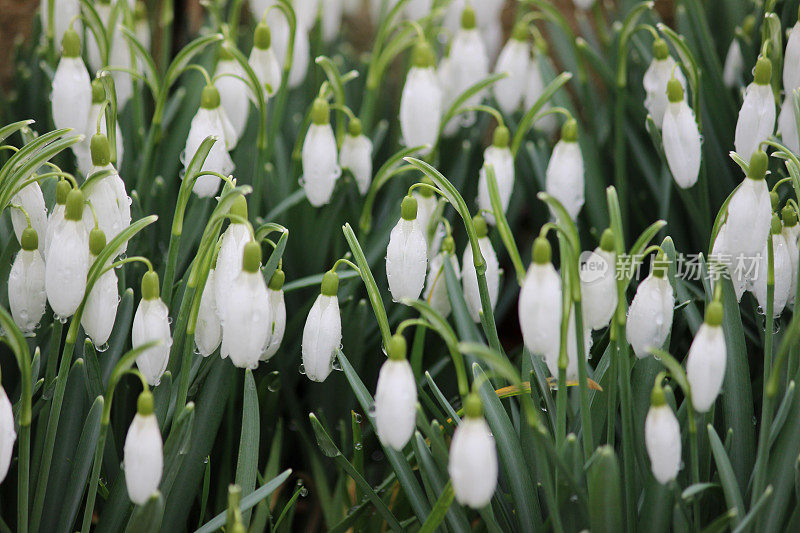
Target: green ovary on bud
pixel 762 73
pixel 758 165
pixel 674 91
pixel 239 207
pixel 71 44
pixel 423 56
pixel 277 280
pixel 774 200
pixel 145 403
pixel 657 396
pixel 660 265
pixel 660 49
pixel 542 252
pixel 101 152
pixel 74 209
pixel 320 112
pixel 607 241
pixel 569 131
pixel 397 348
pixel 263 37
pixel 62 190
pixel 714 314
pixel 408 209
pixel 354 128
pixel 501 137
pixel 330 284
pixel 481 228
pixel 210 97
pixel 473 407
pixel 789 216
pixel 468 19
pixel 97 241
pixel 251 257
pixel 520 32
pixel 29 240
pixel 98 92
pixel 225 54
pixel 775 225
pixel 449 245
pixel 150 289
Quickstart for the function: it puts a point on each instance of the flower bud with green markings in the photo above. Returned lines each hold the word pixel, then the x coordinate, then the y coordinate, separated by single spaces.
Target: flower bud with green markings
pixel 472 464
pixel 564 179
pixel 26 284
pixel 356 155
pixel 540 305
pixel 598 277
pixel 662 436
pixel 406 254
pixel 100 309
pixel 67 262
pixel 469 276
pixel 264 62
pixel 320 156
pixel 71 98
pixel 396 397
pixel 757 115
pixel 322 334
pixel 421 104
pixel 705 364
pixel 651 311
pixel 681 137
pixel 143 459
pixel 661 70
pixel 151 323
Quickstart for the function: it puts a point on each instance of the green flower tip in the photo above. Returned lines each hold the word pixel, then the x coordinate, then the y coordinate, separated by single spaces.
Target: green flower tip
pixel 150 290
pixel 98 92
pixel 97 241
pixel 408 209
pixel 660 265
pixel 144 405
pixel 481 228
pixel 74 209
pixel 263 37
pixel 423 56
pixel 354 128
pixel 748 25
pixel 101 152
pixel 397 348
pixel 520 32
pixel 239 207
pixel 449 245
pixel 763 71
pixel 62 190
pixel 569 131
pixel 225 54
pixel 607 243
pixel 238 527
pixel 657 397
pixel 674 90
pixel 330 284
pixel 468 19
pixel 501 137
pixel 774 200
pixel 775 226
pixel 251 257
pixel 473 407
pixel 277 280
pixel 426 192
pixel 140 11
pixel 542 252
pixel 209 98
pixel 660 49
pixel 714 314
pixel 321 112
pixel 29 240
pixel 789 216
pixel 758 165
pixel 71 44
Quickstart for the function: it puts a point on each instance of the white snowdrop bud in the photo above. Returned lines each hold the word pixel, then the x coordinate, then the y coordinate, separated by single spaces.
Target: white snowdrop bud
pixel 564 175
pixel 436 284
pixel 263 61
pixel 100 310
pixel 322 333
pixel 7 434
pixel 681 137
pixel 67 262
pixel 143 452
pixel 56 217
pixel 233 91
pixel 142 25
pixel 791 232
pixel 551 358
pixel 757 116
pixel 72 88
pixel 66 13
pixel 469 276
pixel 416 9
pixel 599 284
pixel 540 302
pixel 246 318
pixel 787 125
pixel 320 157
pixel 306 11
pixel 277 313
pixel 407 254
pixel 396 397
pixel 515 60
pixel 791 60
pixel 31 199
pixel 734 65
pixel 331 16
pixel 421 104
pixel 208 332
pixel 151 323
pixel 356 155
pixel 662 437
pixel 210 120
pixel 662 69
pixel 721 255
pixel 427 204
pixel 280 43
pixel 705 365
pixel 26 287
pixel 231 250
pixel 534 90
pixel 473 457
pixel 500 158
pixel 650 313
pixel 782 269
pixel 82 150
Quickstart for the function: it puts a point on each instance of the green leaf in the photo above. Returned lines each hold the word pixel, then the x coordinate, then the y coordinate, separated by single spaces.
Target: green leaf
pixel 730 486
pixel 247 463
pixel 605 493
pixel 7 131
pixel 147 518
pixel 439 510
pixel 527 121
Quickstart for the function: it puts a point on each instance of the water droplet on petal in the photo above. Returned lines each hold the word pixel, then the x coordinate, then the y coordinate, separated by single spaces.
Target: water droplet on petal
pixel 102 348
pixel 302 369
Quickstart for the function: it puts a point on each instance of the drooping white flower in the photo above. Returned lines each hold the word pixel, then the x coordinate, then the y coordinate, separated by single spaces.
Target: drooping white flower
pixel 26 288
pixel 534 90
pixel 56 217
pixel 650 313
pixel 7 434
pixel 734 65
pixel 306 12
pixel 757 116
pixel 277 313
pixel 421 104
pixel 473 457
pixel 436 283
pixel 787 124
pixel 407 254
pixel 551 358
pixel 320 156
pixel 210 121
pixel 322 333
pixel 681 138
pixel 564 175
pixel 234 93
pixel 540 304
pixel 356 155
pixel 501 159
pixel 82 149
pixel 427 204
pixel 662 437
pixel 720 255
pixel 263 61
pixel 72 89
pixel 331 15
pixel 599 284
pixel 396 397
pixel 280 42
pixel 782 270
pixel 143 452
pixel 246 315
pixel 791 232
pixel 66 13
pixel 515 60
pixel 231 250
pixel 31 199
pixel 151 323
pixel 469 276
pixel 67 261
pixel 100 310
pixel 705 364
pixel 662 69
pixel 208 331
pixel 791 60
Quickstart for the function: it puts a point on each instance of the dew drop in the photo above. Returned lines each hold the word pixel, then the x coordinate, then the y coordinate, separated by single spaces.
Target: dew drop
pixel 102 348
pixel 303 492
pixel 169 320
pixel 336 365
pixel 274 381
pixel 755 421
pixel 357 418
pixel 760 310
pixel 302 369
pixel 371 411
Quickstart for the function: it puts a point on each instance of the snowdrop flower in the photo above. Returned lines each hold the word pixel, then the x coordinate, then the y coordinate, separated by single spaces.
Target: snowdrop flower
pixel 705 365
pixel 515 60
pixel 72 88
pixel 650 313
pixel 584 4
pixel 782 269
pixel 83 149
pixel 540 302
pixel 436 284
pixel 791 60
pixel 534 90
pixel 331 17
pixel 143 452
pixel 26 290
pixel 31 200
pixel 280 41
pixel 208 332
pixel 427 204
pixel 320 157
pixel 599 284
pixel 66 12
pixel 356 155
pixel 662 69
pixel 231 250
pixel 469 276
pixel 7 434
pixel 473 457
pixel 407 254
pixel 100 310
pixel 263 61
pixel 67 262
pixel 142 24
pixel 734 65
pixel 416 9
pixel 234 93
pixel 662 437
pixel 396 397
pixel 421 102
pixel 787 124
pixel 246 317
pixel 277 313
pixel 552 357
pixel 757 116
pixel 151 323
pixel 56 217
pixel 322 333
pixel 791 232
pixel 681 137
pixel 564 175
pixel 210 120
pixel 501 159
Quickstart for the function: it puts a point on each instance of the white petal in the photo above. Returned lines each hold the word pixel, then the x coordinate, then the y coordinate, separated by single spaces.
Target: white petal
pixel 320 164
pixel 66 268
pixel 406 260
pixel 245 320
pixel 662 435
pixel 756 119
pixel 502 162
pixel 143 458
pixel 469 278
pixel 436 285
pixel 515 59
pixel 473 463
pixel 650 315
pixel 100 310
pixel 421 108
pixel 540 309
pixel 681 140
pixel 208 333
pixel 229 262
pixel 322 335
pixel 7 434
pixel 26 290
pixel 356 155
pixel 395 404
pixel 72 94
pixel 705 366
pixel 233 94
pixel 151 323
pixel 564 176
pixel 31 199
pixel 599 289
pixel 278 327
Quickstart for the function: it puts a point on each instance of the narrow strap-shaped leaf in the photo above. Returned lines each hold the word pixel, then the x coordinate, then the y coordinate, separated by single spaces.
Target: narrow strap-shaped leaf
pixel 439 510
pixel 605 492
pixel 247 462
pixel 7 131
pixel 147 518
pixel 730 486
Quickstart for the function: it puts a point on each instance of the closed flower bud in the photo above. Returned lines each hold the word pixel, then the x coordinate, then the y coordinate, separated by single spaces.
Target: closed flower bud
pixel 540 302
pixel 208 332
pixel 734 65
pixel 564 175
pixel 26 286
pixel 757 116
pixel 356 156
pixel 469 276
pixel 151 323
pixel 277 313
pixel 534 89
pixel 681 138
pixel 320 157
pixel 100 310
pixel 705 365
pixel 233 91
pixel 67 262
pixel 406 255
pixel 396 397
pixel 515 60
pixel 72 88
pixel 56 217
pixel 143 452
pixel 662 437
pixel 791 60
pixel 551 358
pixel 436 291
pixel 263 61
pixel 662 68
pixel 31 199
pixel 787 125
pixel 427 204
pixel 502 162
pixel 7 434
pixel 782 269
pixel 280 30
pixel 229 258
pixel 473 457
pixel 599 284
pixel 83 149
pixel 322 333
pixel 421 104
pixel 791 232
pixel 650 314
